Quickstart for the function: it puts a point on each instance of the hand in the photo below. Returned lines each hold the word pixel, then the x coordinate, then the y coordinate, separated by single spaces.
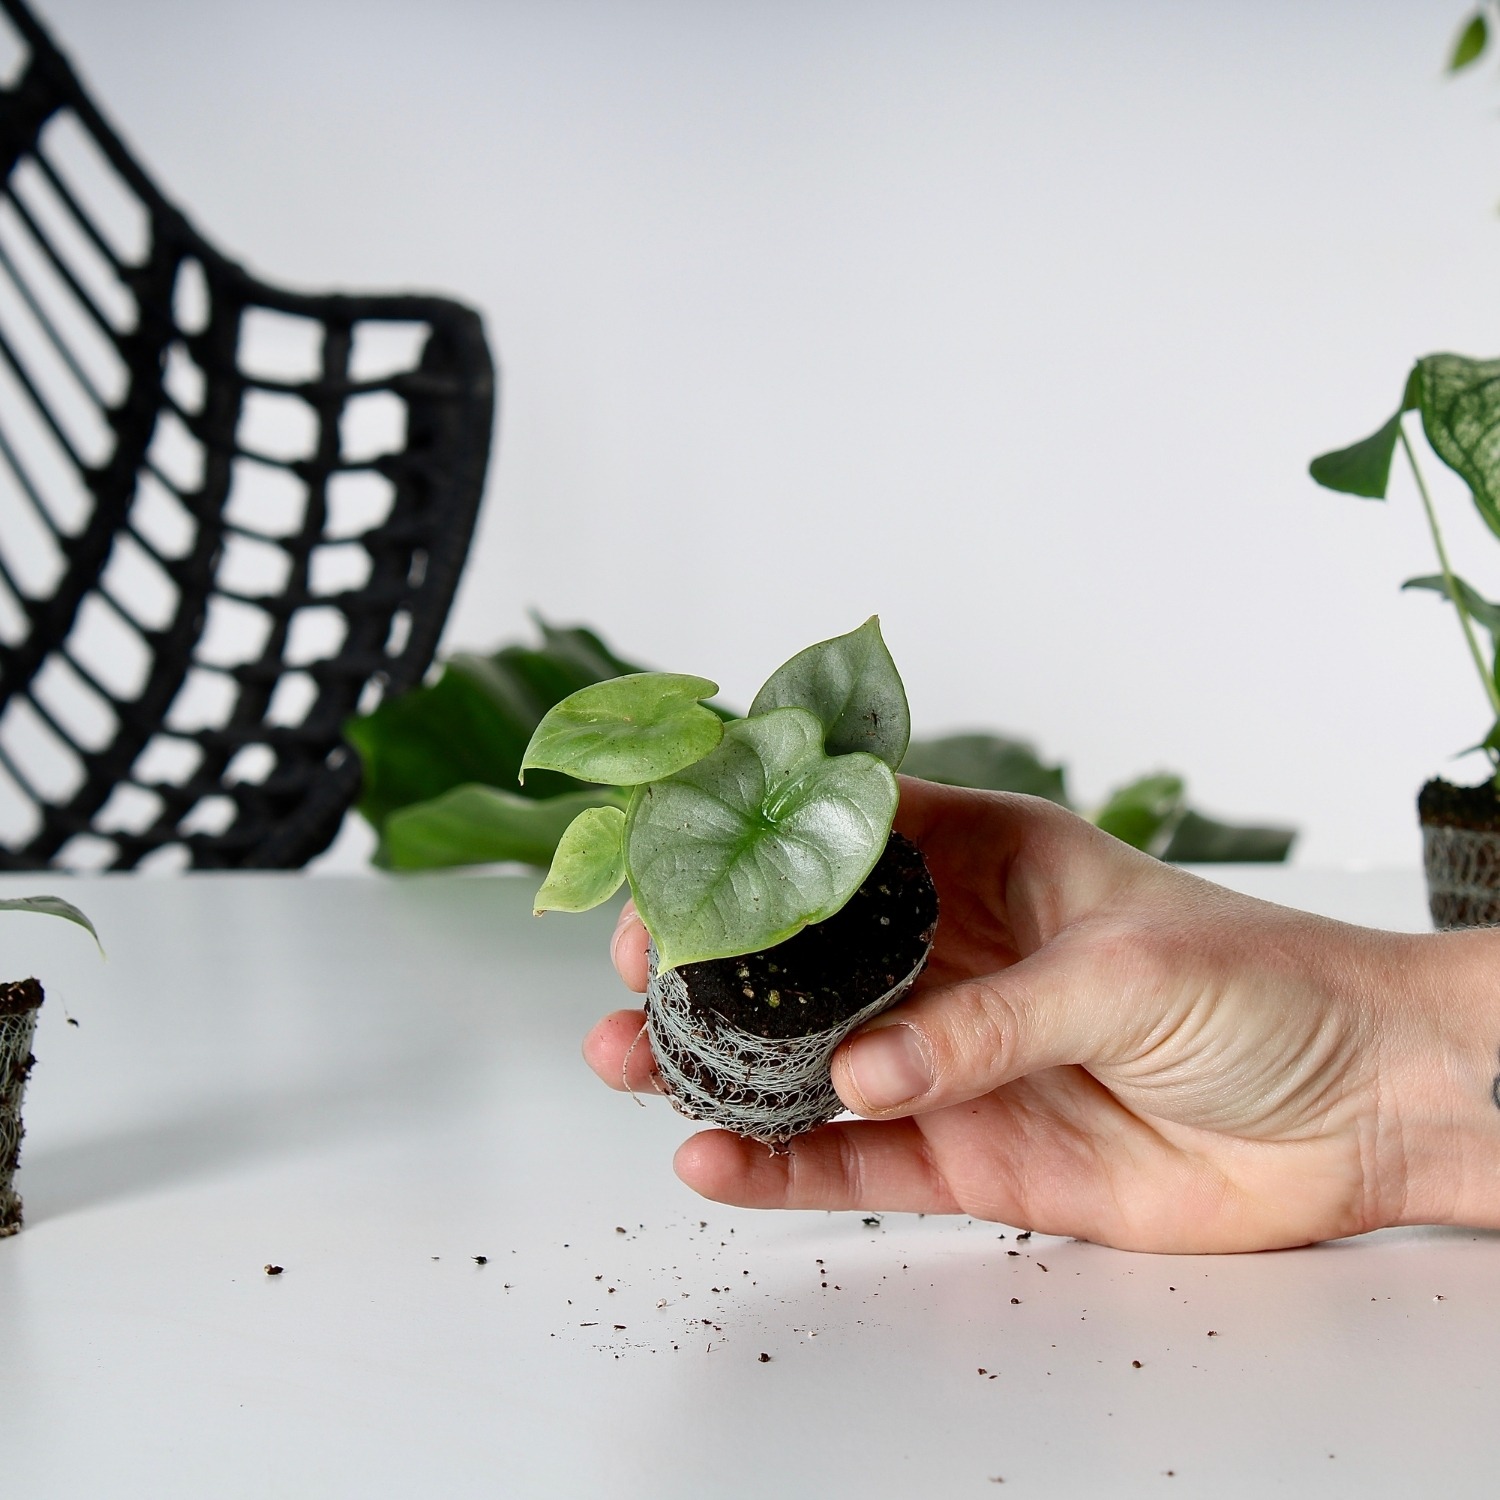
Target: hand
pixel 1108 1047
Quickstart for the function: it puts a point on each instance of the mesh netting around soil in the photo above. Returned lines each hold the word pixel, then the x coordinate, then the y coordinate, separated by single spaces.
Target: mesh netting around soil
pixel 1463 877
pixel 15 1064
pixel 767 1089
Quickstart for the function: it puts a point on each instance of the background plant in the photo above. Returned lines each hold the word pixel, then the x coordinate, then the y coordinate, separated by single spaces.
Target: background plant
pixel 441 765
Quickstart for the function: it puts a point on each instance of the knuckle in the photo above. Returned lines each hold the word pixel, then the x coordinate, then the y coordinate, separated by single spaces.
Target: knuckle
pixel 977 1037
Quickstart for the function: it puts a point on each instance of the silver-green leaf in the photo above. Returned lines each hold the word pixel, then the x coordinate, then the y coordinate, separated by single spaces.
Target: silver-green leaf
pixel 748 846
pixel 589 866
pixel 853 688
pixel 1459 399
pixel 628 730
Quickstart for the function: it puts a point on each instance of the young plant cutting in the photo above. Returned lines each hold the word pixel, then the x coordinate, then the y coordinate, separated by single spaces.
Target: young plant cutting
pixel 1458 400
pixel 782 910
pixel 20 1000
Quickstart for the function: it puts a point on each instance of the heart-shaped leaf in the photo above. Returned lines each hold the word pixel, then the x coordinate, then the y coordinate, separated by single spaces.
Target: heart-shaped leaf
pixel 589 866
pixel 52 906
pixel 481 825
pixel 851 685
pixel 629 730
pixel 749 845
pixel 473 722
pixel 1460 405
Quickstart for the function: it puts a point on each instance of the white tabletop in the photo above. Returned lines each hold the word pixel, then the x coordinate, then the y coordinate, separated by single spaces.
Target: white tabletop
pixel 371 1082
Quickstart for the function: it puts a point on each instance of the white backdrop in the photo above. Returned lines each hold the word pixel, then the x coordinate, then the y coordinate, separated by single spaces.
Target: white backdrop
pixel 1014 322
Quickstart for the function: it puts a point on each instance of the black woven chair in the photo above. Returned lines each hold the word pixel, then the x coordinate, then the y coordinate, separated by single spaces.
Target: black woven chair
pixel 230 515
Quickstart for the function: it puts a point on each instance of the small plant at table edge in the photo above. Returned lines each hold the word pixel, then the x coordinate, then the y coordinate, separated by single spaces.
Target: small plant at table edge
pixel 19 1002
pixel 733 836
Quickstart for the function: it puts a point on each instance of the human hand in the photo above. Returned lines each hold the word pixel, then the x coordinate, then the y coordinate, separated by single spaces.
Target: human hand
pixel 1108 1047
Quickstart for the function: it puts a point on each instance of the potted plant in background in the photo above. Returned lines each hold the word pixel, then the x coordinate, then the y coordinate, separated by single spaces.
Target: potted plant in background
pixel 1458 400
pixel 440 764
pixel 20 1000
pixel 782 910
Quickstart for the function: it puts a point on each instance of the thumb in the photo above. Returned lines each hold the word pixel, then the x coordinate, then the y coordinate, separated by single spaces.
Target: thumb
pixel 957 1041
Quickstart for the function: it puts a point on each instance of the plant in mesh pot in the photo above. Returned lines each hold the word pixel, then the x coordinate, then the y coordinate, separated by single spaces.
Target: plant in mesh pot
pixel 782 910
pixel 20 1000
pixel 1458 400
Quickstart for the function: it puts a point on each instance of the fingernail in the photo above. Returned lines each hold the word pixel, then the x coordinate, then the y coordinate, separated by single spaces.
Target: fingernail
pixel 889 1066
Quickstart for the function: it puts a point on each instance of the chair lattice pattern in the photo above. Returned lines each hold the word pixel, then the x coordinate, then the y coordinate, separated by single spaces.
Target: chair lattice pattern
pixel 230 515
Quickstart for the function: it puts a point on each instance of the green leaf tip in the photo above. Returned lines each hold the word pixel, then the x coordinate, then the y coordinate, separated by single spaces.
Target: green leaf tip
pixel 53 906
pixel 589 866
pixel 628 730
pixel 745 848
pixel 851 685
pixel 1470 44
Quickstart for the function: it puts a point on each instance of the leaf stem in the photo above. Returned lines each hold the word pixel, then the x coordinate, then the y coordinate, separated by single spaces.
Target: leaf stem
pixel 1485 675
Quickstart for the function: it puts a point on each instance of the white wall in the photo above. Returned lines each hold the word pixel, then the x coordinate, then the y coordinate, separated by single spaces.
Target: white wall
pixel 1016 323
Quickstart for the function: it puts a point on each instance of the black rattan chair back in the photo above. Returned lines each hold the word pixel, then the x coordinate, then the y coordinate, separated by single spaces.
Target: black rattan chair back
pixel 230 516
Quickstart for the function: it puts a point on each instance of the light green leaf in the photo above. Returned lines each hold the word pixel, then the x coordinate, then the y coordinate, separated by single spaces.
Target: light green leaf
pixel 589 866
pixel 749 845
pixel 1460 405
pixel 853 688
pixel 481 825
pixel 53 906
pixel 1470 44
pixel 629 730
pixel 473 721
pixel 1197 840
pixel 1141 811
pixel 992 762
pixel 1480 609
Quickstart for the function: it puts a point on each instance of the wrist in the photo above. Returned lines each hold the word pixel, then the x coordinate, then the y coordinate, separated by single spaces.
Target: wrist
pixel 1440 1080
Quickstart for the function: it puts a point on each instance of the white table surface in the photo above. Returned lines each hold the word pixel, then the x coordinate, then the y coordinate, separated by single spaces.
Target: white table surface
pixel 372 1081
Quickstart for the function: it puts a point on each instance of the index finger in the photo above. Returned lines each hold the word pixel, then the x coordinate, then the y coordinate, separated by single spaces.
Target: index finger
pixel 627 949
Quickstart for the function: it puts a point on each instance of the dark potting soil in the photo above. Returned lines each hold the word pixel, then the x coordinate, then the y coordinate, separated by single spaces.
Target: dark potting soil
pixel 1440 804
pixel 831 969
pixel 19 996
